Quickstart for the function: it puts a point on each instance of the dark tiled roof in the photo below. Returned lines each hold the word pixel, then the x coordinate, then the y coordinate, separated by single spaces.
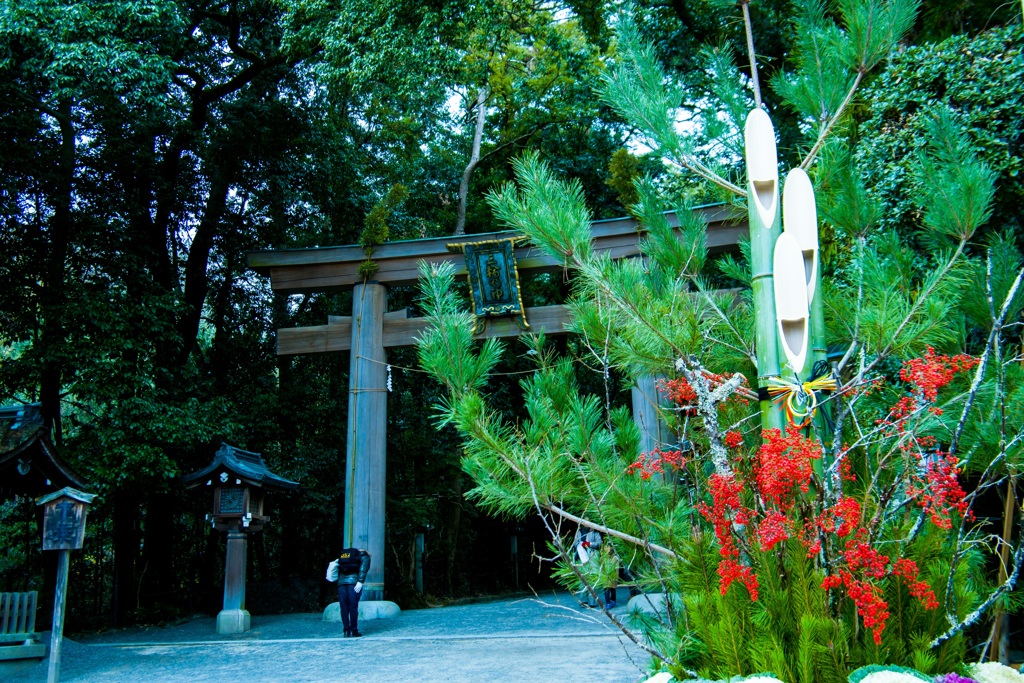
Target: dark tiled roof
pixel 29 463
pixel 245 465
pixel 18 424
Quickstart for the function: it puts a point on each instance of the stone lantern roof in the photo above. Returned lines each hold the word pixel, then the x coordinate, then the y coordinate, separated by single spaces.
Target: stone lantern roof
pixel 236 463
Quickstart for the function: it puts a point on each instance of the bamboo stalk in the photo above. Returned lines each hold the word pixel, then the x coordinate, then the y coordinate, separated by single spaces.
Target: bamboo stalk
pixel 764 210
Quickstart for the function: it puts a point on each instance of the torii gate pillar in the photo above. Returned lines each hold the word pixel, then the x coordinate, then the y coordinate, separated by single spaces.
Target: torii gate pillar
pixel 366 447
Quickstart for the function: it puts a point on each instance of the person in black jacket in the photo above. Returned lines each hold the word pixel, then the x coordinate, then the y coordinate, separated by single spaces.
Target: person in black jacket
pixel 353 565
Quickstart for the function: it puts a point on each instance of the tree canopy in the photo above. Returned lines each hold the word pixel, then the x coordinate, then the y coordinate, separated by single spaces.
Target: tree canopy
pixel 147 146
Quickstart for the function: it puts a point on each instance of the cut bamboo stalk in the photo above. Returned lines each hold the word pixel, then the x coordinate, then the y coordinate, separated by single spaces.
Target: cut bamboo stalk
pixel 762 168
pixel 791 301
pixel 765 226
pixel 800 217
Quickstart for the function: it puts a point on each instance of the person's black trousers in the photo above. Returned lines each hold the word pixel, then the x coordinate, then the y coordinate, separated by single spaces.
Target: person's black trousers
pixel 348 601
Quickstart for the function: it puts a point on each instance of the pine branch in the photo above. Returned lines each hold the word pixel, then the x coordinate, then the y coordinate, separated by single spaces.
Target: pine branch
pixel 860 300
pixel 827 130
pixel 564 555
pixel 979 374
pixel 921 298
pixel 610 531
pixel 748 352
pixel 636 90
pixel 1007 586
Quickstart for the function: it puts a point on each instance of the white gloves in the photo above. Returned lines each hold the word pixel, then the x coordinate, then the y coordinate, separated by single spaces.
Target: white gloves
pixel 358 588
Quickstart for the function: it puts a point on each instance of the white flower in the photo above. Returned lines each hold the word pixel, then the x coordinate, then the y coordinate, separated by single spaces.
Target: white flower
pixel 889 677
pixel 994 672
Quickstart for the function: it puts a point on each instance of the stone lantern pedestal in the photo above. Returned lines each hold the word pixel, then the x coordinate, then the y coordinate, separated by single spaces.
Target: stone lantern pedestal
pixel 238 479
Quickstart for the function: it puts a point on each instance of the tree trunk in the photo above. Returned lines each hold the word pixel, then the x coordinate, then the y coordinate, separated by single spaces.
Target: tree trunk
pixel 196 276
pixel 53 304
pixel 474 159
pixel 454 522
pixel 126 548
pixel 159 586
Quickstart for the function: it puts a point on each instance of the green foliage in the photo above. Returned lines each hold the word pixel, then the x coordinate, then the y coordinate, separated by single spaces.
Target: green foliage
pixel 873 28
pixel 623 170
pixel 976 79
pixel 376 230
pixel 148 147
pixel 956 188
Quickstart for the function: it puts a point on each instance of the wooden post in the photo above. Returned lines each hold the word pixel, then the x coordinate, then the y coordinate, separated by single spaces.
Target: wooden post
pixel 419 563
pixel 765 221
pixel 64 514
pixel 366 448
pixel 514 548
pixel 645 413
pixel 234 618
pixel 57 631
pixel 1000 649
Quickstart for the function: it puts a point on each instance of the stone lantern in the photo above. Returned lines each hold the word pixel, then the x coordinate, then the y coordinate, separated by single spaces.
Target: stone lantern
pixel 238 480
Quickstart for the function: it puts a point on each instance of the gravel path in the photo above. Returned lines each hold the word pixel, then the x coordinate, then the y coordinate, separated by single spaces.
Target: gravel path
pixel 534 640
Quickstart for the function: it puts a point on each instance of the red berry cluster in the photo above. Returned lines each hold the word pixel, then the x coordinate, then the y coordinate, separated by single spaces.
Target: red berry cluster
pixel 864 568
pixel 929 374
pixel 733 439
pixel 867 596
pixel 730 570
pixel 840 519
pixel 907 570
pixel 678 391
pixel 933 372
pixel 655 461
pixel 683 395
pixel 939 492
pixel 781 471
pixel 783 466
pixel 846 467
pixel 772 530
pixel 726 510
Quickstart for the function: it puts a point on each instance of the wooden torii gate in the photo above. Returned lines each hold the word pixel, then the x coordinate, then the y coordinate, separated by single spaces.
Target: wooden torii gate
pixel 370 330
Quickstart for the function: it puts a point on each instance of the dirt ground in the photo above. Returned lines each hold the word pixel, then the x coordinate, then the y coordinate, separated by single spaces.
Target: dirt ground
pixel 539 639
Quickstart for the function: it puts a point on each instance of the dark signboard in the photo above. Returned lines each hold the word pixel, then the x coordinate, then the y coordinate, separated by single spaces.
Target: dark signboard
pixel 63 524
pixel 493 278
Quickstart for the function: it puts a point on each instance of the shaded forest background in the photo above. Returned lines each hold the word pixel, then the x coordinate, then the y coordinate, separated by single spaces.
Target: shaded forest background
pixel 145 147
